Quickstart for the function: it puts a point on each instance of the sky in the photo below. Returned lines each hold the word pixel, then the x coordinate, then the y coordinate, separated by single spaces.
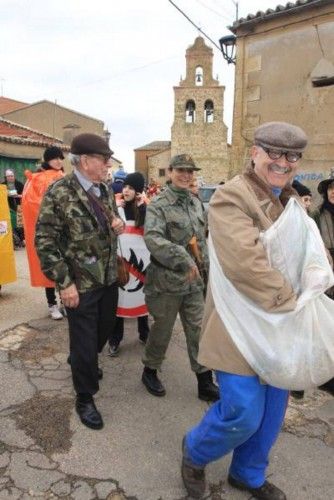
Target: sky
pixel 116 61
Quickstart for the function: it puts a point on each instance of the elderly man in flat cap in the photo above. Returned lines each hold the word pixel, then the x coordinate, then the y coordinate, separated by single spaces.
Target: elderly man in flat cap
pixel 249 415
pixel 76 240
pixel 175 237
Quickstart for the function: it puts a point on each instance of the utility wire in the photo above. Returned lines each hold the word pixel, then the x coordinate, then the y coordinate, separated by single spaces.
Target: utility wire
pixel 213 10
pixel 197 27
pixel 319 40
pixel 114 76
pixel 219 4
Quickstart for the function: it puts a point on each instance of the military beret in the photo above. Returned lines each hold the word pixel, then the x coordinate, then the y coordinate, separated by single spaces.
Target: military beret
pixel 90 144
pixel 324 185
pixel 280 135
pixel 183 161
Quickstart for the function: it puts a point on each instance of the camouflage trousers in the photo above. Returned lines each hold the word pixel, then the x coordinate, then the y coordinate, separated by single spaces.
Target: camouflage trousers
pixel 164 309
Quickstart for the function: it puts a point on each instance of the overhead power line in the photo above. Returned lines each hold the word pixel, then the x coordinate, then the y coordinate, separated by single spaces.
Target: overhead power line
pixel 214 11
pixel 236 5
pixel 197 27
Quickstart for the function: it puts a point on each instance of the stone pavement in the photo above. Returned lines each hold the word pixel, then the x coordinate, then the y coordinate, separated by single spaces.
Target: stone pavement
pixel 45 452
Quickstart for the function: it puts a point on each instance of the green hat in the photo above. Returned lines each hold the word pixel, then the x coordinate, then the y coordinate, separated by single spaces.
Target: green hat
pixel 183 161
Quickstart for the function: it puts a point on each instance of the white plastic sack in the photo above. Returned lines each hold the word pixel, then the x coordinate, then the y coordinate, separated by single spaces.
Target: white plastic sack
pixel 293 350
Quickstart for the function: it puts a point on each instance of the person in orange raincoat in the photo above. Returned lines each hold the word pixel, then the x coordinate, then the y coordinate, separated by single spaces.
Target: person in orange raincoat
pixel 34 190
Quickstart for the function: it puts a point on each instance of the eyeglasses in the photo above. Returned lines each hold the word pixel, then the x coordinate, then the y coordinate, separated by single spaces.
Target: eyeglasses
pixel 276 154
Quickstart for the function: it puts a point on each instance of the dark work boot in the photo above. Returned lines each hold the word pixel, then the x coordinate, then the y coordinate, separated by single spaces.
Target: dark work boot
pixel 267 491
pixel 193 476
pixel 152 383
pixel 87 411
pixel 207 390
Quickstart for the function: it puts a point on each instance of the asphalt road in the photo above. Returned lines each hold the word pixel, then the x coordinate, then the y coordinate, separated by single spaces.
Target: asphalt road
pixel 45 452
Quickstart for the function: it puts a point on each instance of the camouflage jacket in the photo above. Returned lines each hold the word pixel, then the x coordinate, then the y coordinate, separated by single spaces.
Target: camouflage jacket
pixel 169 226
pixel 71 244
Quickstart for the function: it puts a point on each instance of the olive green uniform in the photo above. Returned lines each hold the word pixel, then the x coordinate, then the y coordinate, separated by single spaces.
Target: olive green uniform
pixel 172 219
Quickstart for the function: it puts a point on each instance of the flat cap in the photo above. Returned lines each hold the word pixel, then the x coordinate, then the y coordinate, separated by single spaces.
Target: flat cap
pixel 280 135
pixel 183 161
pixel 90 144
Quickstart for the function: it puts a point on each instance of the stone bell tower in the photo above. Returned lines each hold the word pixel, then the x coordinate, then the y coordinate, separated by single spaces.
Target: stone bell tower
pixel 198 127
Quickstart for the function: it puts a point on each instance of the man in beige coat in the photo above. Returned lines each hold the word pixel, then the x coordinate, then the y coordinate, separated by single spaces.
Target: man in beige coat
pixel 249 415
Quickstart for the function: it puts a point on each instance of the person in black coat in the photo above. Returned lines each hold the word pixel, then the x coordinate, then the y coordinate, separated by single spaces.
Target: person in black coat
pixel 14 189
pixel 14 195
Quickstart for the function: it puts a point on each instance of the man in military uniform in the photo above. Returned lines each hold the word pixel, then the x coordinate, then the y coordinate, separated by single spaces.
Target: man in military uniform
pixel 175 237
pixel 76 240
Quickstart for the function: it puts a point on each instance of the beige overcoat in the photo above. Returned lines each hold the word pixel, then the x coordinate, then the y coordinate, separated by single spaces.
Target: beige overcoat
pixel 239 210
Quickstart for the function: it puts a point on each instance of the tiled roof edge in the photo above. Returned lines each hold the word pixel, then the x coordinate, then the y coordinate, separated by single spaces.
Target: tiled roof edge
pixel 23 127
pixel 278 11
pixel 32 142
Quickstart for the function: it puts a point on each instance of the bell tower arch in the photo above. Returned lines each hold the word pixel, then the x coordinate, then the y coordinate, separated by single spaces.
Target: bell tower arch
pixel 198 128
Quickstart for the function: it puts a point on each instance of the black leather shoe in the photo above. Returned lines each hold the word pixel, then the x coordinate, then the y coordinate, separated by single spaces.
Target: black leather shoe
pixel 88 413
pixel 193 476
pixel 267 491
pixel 99 370
pixel 207 390
pixel 152 383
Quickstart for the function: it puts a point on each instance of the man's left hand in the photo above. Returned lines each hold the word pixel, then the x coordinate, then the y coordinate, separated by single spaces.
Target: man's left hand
pixel 117 226
pixel 70 296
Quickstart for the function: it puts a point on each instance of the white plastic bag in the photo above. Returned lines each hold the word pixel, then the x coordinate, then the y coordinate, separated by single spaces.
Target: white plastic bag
pixel 293 350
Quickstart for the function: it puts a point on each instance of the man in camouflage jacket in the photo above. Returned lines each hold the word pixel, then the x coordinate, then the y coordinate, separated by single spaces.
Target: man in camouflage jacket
pixel 175 278
pixel 76 240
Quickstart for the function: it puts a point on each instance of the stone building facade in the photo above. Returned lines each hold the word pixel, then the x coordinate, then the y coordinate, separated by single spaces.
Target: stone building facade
pixel 198 127
pixel 23 141
pixel 143 155
pixel 158 165
pixel 285 71
pixel 55 120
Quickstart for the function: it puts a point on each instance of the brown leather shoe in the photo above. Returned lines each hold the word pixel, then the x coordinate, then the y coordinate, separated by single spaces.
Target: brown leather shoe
pixel 267 491
pixel 193 476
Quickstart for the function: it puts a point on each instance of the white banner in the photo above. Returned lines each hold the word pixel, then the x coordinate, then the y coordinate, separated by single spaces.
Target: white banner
pixel 131 300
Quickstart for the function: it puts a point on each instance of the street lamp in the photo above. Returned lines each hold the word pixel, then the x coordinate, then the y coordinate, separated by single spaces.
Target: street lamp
pixel 227 45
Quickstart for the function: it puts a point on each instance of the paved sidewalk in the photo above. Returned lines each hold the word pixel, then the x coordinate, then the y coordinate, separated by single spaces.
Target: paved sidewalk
pixel 45 452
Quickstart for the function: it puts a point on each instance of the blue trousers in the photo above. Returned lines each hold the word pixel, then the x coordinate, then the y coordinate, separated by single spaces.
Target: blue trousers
pixel 246 420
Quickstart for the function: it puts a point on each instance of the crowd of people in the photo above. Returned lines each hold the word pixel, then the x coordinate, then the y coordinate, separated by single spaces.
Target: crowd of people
pixel 82 232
